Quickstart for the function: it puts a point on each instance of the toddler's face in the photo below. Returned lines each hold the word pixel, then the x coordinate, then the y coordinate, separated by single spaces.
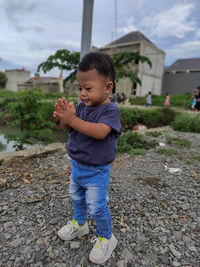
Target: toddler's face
pixel 94 89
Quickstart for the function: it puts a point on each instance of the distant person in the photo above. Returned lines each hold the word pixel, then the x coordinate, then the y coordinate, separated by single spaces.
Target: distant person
pixel 198 99
pixel 149 100
pixel 93 135
pixel 167 100
pixel 193 103
pixel 139 125
pixel 118 98
pixel 123 97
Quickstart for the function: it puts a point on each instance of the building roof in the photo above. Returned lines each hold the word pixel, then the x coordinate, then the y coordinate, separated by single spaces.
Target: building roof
pixel 131 37
pixel 42 79
pixel 185 64
pixel 18 70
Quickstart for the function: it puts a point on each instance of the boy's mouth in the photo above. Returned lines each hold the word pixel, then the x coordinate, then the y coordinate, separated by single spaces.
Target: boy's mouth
pixel 85 100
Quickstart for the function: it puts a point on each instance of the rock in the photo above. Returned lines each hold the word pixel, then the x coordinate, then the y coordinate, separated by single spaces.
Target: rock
pixel 192 248
pixel 126 254
pixel 74 245
pixel 164 259
pixel 17 242
pixel 8 224
pixel 150 210
pixel 60 265
pixel 48 233
pixel 38 264
pixel 176 264
pixel 174 251
pixel 141 237
pixel 185 207
pixel 54 220
pixel 19 261
pixel 121 263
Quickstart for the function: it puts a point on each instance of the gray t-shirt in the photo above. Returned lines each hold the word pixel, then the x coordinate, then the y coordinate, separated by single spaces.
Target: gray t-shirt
pixel 90 151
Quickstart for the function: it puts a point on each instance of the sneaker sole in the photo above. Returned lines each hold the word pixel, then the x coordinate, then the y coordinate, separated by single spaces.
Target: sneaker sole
pixel 81 233
pixel 108 254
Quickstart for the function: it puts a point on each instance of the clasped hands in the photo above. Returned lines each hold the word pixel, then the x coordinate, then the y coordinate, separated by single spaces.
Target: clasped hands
pixel 65 112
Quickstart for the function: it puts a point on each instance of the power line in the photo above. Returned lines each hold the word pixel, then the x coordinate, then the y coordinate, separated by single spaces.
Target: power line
pixel 115 19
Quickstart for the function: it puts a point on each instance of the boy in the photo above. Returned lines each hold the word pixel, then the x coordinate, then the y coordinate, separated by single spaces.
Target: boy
pixel 148 100
pixel 94 129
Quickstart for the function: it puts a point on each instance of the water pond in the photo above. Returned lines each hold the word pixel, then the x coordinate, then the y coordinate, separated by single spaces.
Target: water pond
pixel 57 136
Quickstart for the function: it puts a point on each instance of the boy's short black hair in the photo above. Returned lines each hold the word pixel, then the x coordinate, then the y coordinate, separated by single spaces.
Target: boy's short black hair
pixel 99 61
pixel 140 120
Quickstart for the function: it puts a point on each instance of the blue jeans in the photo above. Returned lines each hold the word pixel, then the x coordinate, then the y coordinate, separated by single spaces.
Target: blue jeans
pixel 89 190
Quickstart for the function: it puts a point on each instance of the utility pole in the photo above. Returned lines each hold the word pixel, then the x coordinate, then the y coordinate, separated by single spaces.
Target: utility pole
pixel 86 35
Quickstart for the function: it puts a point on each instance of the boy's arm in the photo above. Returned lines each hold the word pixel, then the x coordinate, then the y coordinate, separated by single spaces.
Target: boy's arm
pixel 66 115
pixel 91 129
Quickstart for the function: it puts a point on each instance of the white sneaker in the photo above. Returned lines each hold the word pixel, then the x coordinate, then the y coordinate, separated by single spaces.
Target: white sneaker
pixel 72 230
pixel 102 249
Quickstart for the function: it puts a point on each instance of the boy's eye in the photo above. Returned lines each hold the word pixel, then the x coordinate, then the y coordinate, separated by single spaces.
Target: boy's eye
pixel 79 89
pixel 88 89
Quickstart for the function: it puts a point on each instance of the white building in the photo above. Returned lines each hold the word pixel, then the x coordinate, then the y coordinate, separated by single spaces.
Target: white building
pixel 15 77
pixel 151 77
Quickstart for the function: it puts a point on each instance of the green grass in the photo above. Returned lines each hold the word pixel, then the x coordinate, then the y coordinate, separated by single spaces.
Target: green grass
pixel 195 157
pixel 180 101
pixel 154 182
pixel 178 142
pixel 154 134
pixel 137 152
pixel 168 152
pixel 189 162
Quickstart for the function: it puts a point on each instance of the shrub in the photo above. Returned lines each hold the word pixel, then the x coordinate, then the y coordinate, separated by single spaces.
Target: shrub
pixel 128 117
pixel 4 102
pixel 158 117
pixel 47 109
pixel 186 123
pixel 152 118
pixel 132 143
pixel 26 112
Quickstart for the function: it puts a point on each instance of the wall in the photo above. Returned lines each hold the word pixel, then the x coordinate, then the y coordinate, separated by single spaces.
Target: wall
pixel 51 87
pixel 14 77
pixel 151 77
pixel 180 83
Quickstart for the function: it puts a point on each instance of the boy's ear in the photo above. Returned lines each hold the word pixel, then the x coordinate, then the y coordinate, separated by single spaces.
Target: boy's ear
pixel 109 87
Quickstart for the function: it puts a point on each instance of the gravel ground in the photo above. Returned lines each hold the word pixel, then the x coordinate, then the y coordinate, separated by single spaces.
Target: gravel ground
pixel 154 208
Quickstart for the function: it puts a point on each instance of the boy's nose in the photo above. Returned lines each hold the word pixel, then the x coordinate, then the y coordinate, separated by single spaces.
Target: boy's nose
pixel 83 92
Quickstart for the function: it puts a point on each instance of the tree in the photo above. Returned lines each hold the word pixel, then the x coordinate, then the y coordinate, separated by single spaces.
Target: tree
pixel 124 61
pixel 28 117
pixel 2 79
pixel 66 60
pixel 63 60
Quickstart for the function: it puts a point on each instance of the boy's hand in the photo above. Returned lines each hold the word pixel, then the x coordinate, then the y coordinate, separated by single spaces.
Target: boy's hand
pixel 64 112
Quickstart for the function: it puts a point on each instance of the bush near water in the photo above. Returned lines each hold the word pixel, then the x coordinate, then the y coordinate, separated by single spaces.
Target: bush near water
pixel 129 141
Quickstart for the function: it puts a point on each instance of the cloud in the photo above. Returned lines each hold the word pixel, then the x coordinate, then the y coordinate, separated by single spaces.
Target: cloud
pixel 129 28
pixel 188 49
pixel 136 3
pixel 51 47
pixel 174 21
pixel 19 15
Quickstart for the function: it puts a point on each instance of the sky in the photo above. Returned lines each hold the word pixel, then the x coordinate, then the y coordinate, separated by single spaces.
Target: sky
pixel 31 31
